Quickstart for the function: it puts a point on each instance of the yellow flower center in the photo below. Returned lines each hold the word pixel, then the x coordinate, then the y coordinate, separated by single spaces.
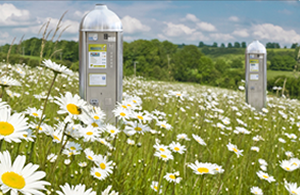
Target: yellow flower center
pixel 164 156
pixel 178 94
pixel 35 114
pixel 203 170
pixel 172 176
pixel 161 149
pixel 295 164
pixel 176 148
pixel 102 166
pixel 129 105
pixel 112 131
pixel 6 128
pixel 55 137
pixel 138 129
pixel 163 125
pixel 73 109
pixel 89 133
pixel 89 157
pixel 124 106
pixel 155 187
pixel 96 117
pixel 287 168
pixel 95 124
pixel 140 117
pixel 98 174
pixel 72 148
pixel 122 114
pixel 134 101
pixel 70 153
pixel 265 176
pixel 293 192
pixel 13 180
pixel 24 135
pixel 235 150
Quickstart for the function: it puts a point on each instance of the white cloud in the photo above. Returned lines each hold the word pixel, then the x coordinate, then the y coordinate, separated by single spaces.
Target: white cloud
pixel 241 33
pixel 221 36
pixel 12 16
pixel 175 30
pixel 128 38
pixel 274 33
pixel 206 26
pixel 190 17
pixel 233 19
pixel 285 11
pixel 133 25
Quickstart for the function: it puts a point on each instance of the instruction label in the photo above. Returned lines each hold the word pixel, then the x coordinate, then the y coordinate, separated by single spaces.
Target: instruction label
pixel 97 79
pixel 254 65
pixel 254 77
pixel 97 56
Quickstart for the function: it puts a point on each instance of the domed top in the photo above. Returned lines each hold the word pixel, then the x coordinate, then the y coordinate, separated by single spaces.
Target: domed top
pixel 256 47
pixel 101 19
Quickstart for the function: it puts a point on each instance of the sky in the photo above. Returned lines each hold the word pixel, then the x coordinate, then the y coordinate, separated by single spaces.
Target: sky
pixel 187 22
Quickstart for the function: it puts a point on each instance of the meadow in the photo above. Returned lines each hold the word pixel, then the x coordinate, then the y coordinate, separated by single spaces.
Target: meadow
pixel 171 138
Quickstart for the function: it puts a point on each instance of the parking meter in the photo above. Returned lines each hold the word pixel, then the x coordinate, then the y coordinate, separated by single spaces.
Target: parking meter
pixel 100 59
pixel 256 74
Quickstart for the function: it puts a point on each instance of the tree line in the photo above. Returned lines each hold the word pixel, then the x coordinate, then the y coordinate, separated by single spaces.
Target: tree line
pixel 161 60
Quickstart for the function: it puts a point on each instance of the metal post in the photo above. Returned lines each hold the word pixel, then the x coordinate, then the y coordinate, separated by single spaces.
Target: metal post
pixel 134 64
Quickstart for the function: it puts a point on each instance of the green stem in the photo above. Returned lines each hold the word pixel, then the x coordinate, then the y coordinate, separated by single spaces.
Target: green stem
pixel 160 177
pixel 1 141
pixel 45 104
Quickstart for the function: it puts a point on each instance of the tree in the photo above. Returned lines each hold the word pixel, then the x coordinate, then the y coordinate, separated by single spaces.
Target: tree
pixel 294 45
pixel 215 44
pixel 222 45
pixel 236 63
pixel 206 70
pixel 237 45
pixel 201 44
pixel 221 65
pixel 244 45
pixel 229 45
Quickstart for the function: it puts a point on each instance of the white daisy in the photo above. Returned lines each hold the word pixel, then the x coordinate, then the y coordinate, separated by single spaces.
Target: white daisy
pixel 18 178
pixel 75 190
pixel 98 173
pixel 72 105
pixel 106 191
pixel 58 68
pixel 200 168
pixel 104 164
pixel 233 148
pixel 199 139
pixel 256 190
pixel 171 177
pixel 12 127
pixel 292 188
pixel 265 176
pixel 176 147
pixel 89 134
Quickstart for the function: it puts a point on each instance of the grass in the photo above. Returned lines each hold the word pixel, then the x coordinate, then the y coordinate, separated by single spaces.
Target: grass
pixel 214 114
pixel 272 73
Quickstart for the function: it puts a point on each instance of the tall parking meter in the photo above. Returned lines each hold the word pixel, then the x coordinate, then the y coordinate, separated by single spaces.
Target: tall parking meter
pixel 100 59
pixel 256 74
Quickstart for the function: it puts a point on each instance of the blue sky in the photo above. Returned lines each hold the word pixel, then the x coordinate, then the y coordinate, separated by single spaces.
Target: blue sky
pixel 186 22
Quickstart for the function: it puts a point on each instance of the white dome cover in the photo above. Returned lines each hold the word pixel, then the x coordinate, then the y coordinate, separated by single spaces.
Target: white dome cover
pixel 256 47
pixel 101 19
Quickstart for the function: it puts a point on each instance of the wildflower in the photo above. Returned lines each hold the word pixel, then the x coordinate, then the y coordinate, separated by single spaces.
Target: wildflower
pixel 199 139
pixel 176 147
pixel 75 190
pixel 164 124
pixel 12 127
pixel 233 148
pixel 256 190
pixel 165 156
pixel 112 130
pixel 34 112
pixel 121 113
pixel 7 81
pixel 183 136
pixel 106 191
pixel 132 128
pixel 89 154
pixel 265 176
pixel 254 148
pixel 288 165
pixel 57 68
pixel 200 168
pixel 292 188
pixel 20 179
pixel 154 186
pixel 89 134
pixel 98 173
pixel 72 105
pixel 171 177
pixel 103 164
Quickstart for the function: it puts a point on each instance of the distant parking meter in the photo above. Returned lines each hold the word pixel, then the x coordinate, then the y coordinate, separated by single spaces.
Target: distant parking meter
pixel 256 74
pixel 100 59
